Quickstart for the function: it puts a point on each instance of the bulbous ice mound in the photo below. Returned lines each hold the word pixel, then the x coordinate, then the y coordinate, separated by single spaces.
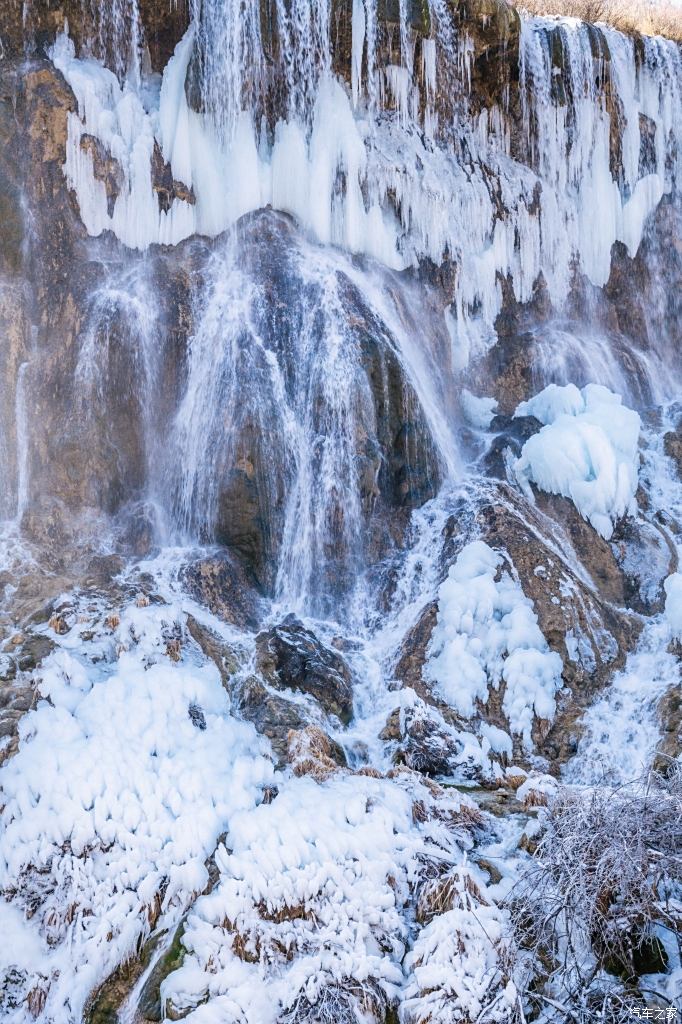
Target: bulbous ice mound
pixel 586 451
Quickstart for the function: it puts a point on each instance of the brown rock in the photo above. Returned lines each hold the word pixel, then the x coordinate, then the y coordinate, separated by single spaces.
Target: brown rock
pixel 424 743
pixel 220 583
pixel 221 654
pixel 271 715
pixel 670 715
pixel 672 443
pixel 289 656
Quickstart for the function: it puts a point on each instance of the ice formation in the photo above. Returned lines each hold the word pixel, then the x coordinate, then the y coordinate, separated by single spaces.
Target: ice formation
pixel 587 451
pixel 353 892
pixel 128 772
pixel 404 193
pixel 309 909
pixel 622 727
pixel 457 960
pixel 673 604
pixel 487 636
pixel 478 411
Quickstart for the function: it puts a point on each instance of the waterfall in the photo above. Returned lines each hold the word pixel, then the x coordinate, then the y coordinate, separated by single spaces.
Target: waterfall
pixel 302 383
pixel 346 461
pixel 376 171
pixel 254 111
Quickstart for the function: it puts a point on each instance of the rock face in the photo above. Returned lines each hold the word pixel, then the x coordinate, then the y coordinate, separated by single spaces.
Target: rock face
pixel 586 625
pixel 670 745
pixel 100 29
pixel 290 657
pixel 317 338
pixel 282 405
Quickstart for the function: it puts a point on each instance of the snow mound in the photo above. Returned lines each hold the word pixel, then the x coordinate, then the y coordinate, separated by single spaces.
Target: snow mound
pixel 587 451
pixel 487 634
pixel 432 746
pixel 128 771
pixel 456 965
pixel 310 906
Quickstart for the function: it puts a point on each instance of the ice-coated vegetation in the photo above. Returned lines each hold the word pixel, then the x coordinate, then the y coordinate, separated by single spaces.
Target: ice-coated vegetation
pixel 125 777
pixel 487 637
pixel 309 909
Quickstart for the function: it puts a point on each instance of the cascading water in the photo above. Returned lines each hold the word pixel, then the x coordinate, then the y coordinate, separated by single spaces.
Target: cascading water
pixel 305 396
pixel 355 310
pixel 376 182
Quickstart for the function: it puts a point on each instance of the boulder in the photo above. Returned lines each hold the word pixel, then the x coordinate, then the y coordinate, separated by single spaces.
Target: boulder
pixel 271 715
pixel 424 744
pixel 220 583
pixel 672 443
pixel 15 701
pixel 290 657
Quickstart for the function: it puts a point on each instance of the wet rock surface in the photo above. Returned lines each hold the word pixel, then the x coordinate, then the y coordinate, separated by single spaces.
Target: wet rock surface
pixel 290 657
pixel 220 583
pixel 670 745
pixel 272 715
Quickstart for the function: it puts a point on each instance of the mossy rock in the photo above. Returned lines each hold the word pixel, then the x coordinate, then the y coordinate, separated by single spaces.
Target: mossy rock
pixel 149 1005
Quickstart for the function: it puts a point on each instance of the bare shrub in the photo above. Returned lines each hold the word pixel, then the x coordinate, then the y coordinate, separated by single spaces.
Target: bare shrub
pixel 607 870
pixel 649 17
pixel 345 1003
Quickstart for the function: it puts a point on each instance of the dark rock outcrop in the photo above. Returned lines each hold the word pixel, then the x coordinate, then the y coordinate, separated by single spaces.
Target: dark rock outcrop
pixel 271 715
pixel 290 657
pixel 423 743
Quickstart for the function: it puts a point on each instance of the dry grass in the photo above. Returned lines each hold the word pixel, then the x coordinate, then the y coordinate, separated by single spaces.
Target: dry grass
pixel 605 878
pixel 649 17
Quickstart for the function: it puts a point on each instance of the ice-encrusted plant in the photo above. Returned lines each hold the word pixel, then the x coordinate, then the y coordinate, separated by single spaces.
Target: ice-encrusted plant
pixel 600 906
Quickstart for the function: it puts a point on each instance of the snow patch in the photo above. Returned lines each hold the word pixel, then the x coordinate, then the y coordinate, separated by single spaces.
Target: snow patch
pixel 311 899
pixel 113 803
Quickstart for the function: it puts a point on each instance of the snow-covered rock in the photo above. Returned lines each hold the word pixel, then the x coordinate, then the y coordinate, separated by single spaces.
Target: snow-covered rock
pixel 486 636
pixel 586 451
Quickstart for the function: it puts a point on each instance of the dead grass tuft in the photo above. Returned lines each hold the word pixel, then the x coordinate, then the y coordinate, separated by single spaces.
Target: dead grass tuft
pixel 440 894
pixel 310 753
